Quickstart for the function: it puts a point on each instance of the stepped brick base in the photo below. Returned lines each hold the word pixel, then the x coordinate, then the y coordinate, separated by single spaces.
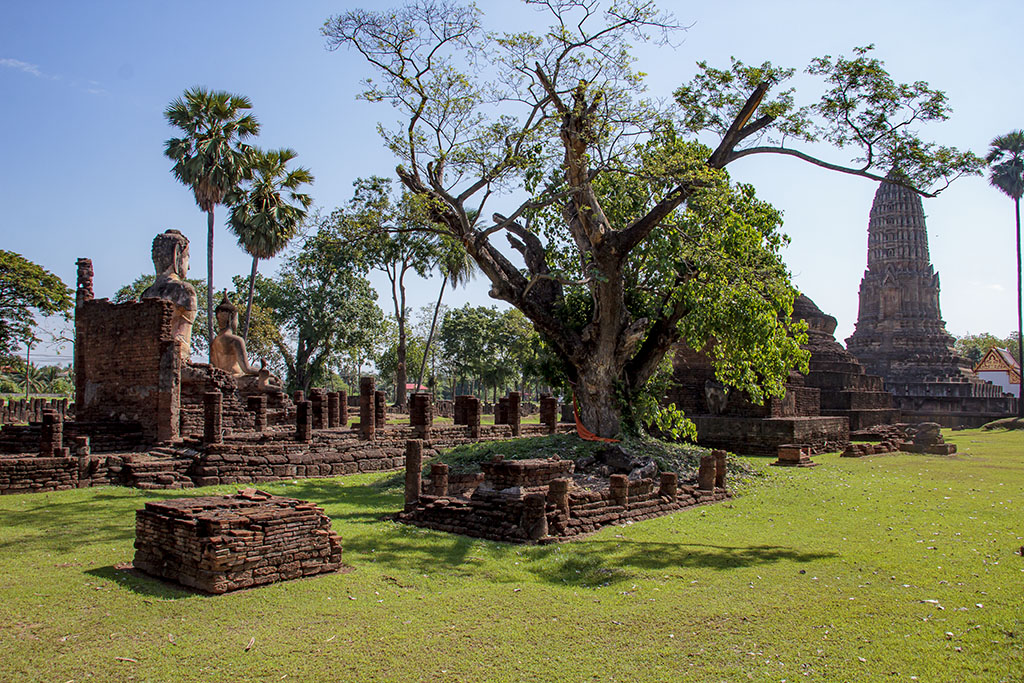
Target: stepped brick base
pixel 218 544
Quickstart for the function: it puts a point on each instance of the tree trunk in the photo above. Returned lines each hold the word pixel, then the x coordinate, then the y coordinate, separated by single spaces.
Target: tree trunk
pixel 433 324
pixel 209 282
pixel 1020 317
pixel 248 305
pixel 598 406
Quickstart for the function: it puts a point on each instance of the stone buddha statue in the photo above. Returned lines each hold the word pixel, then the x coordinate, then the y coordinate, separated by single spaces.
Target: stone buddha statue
pixel 170 258
pixel 228 353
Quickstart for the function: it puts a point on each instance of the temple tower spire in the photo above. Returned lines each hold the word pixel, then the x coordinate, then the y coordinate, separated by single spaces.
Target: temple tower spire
pixel 900 334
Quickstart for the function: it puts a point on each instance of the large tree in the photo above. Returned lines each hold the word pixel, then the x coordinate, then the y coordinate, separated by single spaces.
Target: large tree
pixel 1006 156
pixel 26 289
pixel 210 157
pixel 267 210
pixel 559 115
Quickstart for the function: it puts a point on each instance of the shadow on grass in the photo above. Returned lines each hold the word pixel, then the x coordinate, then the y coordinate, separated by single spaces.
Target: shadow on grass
pixel 583 563
pixel 143 584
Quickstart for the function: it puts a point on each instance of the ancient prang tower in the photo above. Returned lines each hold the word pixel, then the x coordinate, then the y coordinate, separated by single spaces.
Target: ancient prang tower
pixel 900 334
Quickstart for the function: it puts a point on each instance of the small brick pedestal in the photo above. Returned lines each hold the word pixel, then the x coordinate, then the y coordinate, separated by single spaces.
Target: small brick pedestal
pixel 218 544
pixel 795 455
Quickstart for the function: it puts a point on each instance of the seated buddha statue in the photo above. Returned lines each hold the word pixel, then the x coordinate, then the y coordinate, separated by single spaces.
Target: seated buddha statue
pixel 228 353
pixel 170 258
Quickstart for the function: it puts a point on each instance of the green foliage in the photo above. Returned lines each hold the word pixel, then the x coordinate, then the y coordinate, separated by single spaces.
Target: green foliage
pixel 862 108
pixel 1006 158
pixel 974 346
pixel 632 237
pixel 209 157
pixel 133 292
pixel 27 289
pixel 324 307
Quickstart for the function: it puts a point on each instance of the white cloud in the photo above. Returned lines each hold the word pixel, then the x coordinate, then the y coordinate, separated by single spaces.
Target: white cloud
pixel 25 67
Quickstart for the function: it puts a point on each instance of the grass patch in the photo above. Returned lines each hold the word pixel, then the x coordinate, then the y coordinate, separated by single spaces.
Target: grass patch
pixel 863 569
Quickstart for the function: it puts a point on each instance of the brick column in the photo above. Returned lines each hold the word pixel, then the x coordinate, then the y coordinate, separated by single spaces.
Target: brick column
pixel 333 412
pixel 618 486
pixel 535 519
pixel 257 405
pixel 669 485
pixel 213 431
pixel 380 408
pixel 51 444
pixel 473 410
pixel 459 410
pixel 549 413
pixel 558 494
pixel 343 408
pixel 298 397
pixel 316 397
pixel 439 479
pixel 366 408
pixel 706 473
pixel 514 418
pixel 421 415
pixel 719 469
pixel 304 421
pixel 413 472
pixel 501 411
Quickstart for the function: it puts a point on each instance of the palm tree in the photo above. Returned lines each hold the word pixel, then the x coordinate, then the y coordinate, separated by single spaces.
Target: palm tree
pixel 267 213
pixel 1006 156
pixel 210 157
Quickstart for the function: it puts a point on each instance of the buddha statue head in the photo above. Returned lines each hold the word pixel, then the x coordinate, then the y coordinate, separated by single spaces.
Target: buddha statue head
pixel 227 315
pixel 170 254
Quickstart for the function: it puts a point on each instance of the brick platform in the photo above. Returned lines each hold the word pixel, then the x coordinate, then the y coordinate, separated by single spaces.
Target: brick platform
pixel 218 544
pixel 555 511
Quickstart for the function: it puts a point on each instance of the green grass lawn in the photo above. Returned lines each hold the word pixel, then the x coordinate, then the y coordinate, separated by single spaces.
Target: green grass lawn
pixel 892 567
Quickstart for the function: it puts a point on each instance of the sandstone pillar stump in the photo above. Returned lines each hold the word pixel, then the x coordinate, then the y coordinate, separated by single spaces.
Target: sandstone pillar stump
pixel 558 494
pixel 706 473
pixel 719 468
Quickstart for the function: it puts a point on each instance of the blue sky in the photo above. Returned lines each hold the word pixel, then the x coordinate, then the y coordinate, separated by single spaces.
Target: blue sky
pixel 84 86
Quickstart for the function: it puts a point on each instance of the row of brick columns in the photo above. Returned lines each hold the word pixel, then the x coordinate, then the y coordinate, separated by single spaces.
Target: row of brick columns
pixel 330 409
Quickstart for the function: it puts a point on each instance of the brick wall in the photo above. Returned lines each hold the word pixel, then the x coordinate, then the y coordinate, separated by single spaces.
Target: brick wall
pixel 128 365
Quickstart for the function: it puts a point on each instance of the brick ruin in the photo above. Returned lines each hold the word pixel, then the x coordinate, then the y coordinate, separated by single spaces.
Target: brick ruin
pixel 545 500
pixel 900 334
pixel 845 388
pixel 144 417
pixel 218 544
pixel 729 420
